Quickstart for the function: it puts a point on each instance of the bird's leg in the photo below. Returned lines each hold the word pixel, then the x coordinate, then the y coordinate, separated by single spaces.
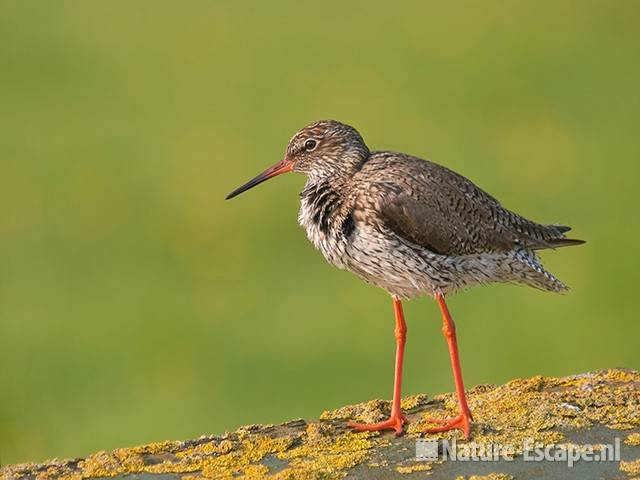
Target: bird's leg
pixel 397 418
pixel 462 421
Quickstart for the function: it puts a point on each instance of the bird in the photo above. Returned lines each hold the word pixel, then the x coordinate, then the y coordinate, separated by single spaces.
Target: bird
pixel 413 228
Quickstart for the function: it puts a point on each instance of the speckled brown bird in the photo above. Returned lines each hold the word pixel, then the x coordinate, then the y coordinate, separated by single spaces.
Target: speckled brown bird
pixel 413 228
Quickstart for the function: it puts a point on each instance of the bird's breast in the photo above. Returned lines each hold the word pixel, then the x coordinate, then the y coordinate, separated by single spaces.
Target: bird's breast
pixel 327 221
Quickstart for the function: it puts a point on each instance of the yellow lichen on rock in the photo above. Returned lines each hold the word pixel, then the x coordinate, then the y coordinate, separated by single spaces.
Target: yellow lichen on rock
pixel 413 401
pixel 324 455
pixel 242 461
pixel 367 412
pixel 490 476
pixel 151 448
pixel 631 468
pixel 205 449
pixel 633 439
pixel 418 467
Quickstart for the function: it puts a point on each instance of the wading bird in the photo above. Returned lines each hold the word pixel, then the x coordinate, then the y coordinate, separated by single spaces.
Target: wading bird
pixel 413 228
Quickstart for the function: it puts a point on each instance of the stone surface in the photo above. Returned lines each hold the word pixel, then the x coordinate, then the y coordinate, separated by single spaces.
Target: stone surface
pixel 567 414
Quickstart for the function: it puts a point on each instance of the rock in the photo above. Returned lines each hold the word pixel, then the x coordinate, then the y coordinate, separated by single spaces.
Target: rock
pixel 590 420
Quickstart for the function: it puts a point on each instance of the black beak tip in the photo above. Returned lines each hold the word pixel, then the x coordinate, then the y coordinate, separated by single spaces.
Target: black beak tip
pixel 277 169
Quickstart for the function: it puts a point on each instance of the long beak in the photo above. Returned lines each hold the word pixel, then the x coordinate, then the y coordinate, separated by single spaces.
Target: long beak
pixel 283 166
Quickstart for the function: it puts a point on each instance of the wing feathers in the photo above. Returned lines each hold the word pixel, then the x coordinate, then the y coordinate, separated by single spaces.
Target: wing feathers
pixel 438 209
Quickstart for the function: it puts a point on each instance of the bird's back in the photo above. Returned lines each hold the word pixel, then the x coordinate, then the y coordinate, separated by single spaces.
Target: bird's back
pixel 443 211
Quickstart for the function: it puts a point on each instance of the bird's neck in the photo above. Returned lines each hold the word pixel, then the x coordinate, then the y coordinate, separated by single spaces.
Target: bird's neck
pixel 337 170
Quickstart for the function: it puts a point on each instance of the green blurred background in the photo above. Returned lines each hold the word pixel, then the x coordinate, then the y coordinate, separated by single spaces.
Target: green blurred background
pixel 137 305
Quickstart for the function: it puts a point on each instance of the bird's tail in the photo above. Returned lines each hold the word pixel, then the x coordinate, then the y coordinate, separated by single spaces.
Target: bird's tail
pixel 528 270
pixel 558 239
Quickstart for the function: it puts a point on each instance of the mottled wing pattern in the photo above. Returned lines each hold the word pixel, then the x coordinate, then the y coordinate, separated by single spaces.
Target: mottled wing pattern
pixel 438 209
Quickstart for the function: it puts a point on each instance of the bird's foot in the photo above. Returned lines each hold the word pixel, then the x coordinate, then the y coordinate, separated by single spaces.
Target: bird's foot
pixel 462 422
pixel 395 422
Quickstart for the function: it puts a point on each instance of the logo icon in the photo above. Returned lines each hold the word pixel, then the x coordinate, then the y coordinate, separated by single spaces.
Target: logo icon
pixel 426 450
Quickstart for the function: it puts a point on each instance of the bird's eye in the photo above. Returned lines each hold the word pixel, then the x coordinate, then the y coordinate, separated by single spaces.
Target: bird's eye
pixel 310 145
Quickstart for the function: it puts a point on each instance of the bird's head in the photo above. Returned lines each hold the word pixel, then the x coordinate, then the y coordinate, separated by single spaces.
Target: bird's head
pixel 322 150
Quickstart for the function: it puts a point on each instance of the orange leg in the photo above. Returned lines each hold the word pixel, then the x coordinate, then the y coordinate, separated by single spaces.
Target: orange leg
pixel 397 419
pixel 462 421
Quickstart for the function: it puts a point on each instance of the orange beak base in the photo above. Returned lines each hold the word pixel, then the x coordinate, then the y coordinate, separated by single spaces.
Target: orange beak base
pixel 283 166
